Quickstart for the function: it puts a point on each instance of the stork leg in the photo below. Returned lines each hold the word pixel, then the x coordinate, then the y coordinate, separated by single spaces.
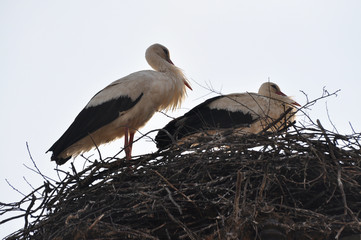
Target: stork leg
pixel 128 143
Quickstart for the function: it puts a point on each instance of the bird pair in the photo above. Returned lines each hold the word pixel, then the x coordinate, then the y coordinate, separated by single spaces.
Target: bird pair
pixel 128 103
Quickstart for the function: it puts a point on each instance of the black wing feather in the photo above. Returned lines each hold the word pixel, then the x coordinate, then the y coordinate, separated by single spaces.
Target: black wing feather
pixel 91 119
pixel 201 118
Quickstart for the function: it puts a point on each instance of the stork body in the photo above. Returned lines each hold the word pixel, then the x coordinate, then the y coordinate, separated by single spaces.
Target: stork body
pixel 124 106
pixel 247 112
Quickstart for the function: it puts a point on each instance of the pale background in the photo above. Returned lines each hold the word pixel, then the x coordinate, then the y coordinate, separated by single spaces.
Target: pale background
pixel 55 55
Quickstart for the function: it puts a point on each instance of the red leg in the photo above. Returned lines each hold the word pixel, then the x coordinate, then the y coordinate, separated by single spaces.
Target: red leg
pixel 130 145
pixel 131 137
pixel 125 137
pixel 127 147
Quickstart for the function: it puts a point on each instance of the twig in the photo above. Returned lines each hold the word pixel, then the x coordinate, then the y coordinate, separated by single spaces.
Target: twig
pixel 237 195
pixel 185 228
pixel 14 187
pixel 172 186
pixel 95 222
pixel 172 200
pixel 38 170
pixel 96 147
pixel 273 123
pixel 28 210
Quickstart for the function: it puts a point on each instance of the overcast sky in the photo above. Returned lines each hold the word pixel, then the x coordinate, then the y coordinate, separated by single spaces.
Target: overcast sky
pixel 55 55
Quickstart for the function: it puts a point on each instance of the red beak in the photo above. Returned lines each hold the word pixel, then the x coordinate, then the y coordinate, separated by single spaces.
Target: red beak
pixel 187 84
pixel 281 93
pixel 296 104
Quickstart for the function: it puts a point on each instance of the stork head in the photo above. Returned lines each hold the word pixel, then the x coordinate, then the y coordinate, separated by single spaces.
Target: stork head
pixel 157 55
pixel 272 90
pixel 158 58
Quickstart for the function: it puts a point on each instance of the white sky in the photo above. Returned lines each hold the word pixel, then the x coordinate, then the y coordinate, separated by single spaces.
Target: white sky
pixel 55 55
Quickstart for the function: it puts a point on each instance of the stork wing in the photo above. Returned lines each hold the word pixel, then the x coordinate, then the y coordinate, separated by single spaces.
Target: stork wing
pixel 91 119
pixel 201 118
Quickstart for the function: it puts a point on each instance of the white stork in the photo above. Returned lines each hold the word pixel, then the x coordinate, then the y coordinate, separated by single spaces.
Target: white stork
pixel 124 106
pixel 247 112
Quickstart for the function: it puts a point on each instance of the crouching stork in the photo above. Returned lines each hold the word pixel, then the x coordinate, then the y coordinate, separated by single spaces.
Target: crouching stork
pixel 124 106
pixel 247 112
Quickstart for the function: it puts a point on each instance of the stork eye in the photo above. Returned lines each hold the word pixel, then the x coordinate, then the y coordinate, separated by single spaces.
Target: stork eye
pixel 275 87
pixel 166 52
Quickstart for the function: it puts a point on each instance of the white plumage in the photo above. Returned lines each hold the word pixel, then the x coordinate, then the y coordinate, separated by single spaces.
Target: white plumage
pixel 124 106
pixel 247 112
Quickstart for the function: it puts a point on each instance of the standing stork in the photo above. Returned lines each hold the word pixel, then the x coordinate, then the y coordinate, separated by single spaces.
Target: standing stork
pixel 248 112
pixel 124 106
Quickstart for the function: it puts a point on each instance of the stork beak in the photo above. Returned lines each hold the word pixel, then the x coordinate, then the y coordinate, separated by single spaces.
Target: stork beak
pixel 170 61
pixel 187 85
pixel 296 104
pixel 281 93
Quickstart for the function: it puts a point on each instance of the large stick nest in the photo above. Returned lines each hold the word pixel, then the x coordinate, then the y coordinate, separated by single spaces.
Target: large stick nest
pixel 303 184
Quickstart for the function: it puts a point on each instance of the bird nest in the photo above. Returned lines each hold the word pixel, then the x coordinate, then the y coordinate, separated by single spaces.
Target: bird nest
pixel 301 184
